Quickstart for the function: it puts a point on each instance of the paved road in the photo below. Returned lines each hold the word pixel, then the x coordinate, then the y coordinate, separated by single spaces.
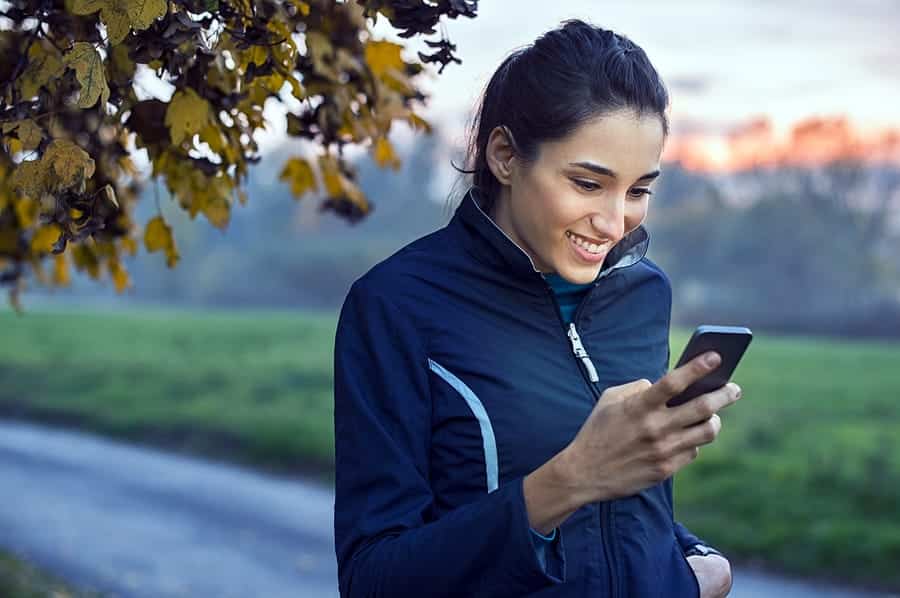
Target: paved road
pixel 141 523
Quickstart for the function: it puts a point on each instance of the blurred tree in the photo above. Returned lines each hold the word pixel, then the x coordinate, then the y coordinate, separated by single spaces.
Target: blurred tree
pixel 75 104
pixel 813 250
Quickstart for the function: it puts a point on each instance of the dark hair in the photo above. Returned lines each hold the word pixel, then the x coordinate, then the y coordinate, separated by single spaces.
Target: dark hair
pixel 544 91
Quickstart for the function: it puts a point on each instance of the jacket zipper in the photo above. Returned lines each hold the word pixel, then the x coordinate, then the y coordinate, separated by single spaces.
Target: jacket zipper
pixel 590 373
pixel 582 354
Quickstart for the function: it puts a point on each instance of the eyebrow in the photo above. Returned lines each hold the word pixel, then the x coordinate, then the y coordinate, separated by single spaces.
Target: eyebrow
pixel 607 172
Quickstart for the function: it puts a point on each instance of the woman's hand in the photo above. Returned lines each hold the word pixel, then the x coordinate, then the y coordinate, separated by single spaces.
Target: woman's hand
pixel 713 573
pixel 633 440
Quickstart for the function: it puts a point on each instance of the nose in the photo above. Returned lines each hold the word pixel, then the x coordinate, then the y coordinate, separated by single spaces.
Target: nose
pixel 610 222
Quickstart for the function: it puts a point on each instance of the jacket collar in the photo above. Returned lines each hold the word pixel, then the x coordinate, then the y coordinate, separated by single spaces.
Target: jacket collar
pixel 493 245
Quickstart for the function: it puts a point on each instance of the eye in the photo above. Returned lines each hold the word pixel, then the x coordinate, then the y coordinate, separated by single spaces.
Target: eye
pixel 640 193
pixel 586 185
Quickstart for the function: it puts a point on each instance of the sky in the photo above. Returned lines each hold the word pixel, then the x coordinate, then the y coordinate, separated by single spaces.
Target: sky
pixel 724 62
pixel 749 81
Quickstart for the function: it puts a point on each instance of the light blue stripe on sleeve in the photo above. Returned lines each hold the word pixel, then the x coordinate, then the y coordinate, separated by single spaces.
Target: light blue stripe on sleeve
pixel 484 422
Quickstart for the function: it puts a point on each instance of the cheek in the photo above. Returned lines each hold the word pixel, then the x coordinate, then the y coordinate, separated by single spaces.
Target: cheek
pixel 635 214
pixel 553 210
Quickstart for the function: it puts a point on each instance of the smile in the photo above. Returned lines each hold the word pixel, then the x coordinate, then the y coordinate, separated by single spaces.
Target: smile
pixel 586 245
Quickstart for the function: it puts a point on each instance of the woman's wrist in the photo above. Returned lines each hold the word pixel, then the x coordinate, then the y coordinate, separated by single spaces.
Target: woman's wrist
pixel 552 493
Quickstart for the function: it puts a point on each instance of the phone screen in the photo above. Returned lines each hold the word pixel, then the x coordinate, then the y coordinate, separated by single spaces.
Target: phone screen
pixel 729 342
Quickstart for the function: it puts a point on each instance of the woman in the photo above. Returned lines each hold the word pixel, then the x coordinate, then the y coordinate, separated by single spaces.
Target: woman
pixel 497 432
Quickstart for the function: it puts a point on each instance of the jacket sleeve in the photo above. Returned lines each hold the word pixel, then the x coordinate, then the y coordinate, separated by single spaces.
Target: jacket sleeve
pixel 387 540
pixel 685 538
pixel 541 545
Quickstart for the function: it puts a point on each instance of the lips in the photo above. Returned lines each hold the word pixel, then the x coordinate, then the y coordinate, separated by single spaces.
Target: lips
pixel 589 244
pixel 586 238
pixel 586 254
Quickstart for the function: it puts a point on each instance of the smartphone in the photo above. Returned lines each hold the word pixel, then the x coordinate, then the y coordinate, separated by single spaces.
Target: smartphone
pixel 729 342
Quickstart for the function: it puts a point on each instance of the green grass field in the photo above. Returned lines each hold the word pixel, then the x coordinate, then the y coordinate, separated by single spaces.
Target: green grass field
pixel 805 475
pixel 21 579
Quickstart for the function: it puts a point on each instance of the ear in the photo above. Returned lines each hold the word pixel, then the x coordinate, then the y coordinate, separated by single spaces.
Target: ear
pixel 500 155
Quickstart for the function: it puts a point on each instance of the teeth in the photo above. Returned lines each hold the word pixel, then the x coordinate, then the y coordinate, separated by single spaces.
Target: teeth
pixel 590 247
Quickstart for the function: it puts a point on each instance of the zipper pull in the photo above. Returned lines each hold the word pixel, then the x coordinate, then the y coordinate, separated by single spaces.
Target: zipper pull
pixel 579 351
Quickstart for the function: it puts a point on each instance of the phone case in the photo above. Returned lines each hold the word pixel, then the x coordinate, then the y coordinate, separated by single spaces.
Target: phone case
pixel 730 342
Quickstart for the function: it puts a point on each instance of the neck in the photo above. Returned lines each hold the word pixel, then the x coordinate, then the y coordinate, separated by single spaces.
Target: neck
pixel 498 211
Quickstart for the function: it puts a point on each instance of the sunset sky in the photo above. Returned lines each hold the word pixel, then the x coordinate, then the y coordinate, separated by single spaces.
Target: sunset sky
pixel 724 62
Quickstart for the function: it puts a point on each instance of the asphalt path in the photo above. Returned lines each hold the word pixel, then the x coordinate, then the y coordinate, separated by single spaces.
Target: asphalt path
pixel 139 523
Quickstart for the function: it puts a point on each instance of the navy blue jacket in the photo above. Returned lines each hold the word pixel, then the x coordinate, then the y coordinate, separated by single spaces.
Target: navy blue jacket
pixel 455 377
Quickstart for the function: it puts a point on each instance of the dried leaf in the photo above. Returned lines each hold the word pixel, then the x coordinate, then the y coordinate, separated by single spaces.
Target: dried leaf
pixel 69 162
pixel 91 74
pixel 187 114
pixel 384 154
pixel 44 238
pixel 299 173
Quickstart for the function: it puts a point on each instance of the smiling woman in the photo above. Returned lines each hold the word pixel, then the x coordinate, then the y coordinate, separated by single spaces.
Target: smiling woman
pixel 580 195
pixel 500 392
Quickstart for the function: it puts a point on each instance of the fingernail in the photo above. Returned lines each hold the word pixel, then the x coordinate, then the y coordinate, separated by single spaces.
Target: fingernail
pixel 712 359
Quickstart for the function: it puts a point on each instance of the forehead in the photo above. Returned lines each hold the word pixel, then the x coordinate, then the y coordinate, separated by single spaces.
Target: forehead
pixel 621 141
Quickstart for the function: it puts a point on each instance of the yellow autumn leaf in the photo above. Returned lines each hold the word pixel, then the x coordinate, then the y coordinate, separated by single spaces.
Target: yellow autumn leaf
pixel 212 136
pixel 15 147
pixel 85 7
pixel 128 244
pixel 44 66
pixel 296 87
pixel 61 276
pixel 30 134
pixel 90 72
pixel 384 154
pixel 120 65
pixel 69 162
pixel 26 210
pixel 85 259
pixel 44 238
pixel 302 7
pixel 299 174
pixel 144 12
pixel 157 234
pixel 255 54
pixel 338 186
pixel 218 212
pixel 119 276
pixel 120 16
pixel 383 57
pixel 355 194
pixel 187 114
pixel 331 176
pixel 30 178
pixel 172 256
pixel 28 131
